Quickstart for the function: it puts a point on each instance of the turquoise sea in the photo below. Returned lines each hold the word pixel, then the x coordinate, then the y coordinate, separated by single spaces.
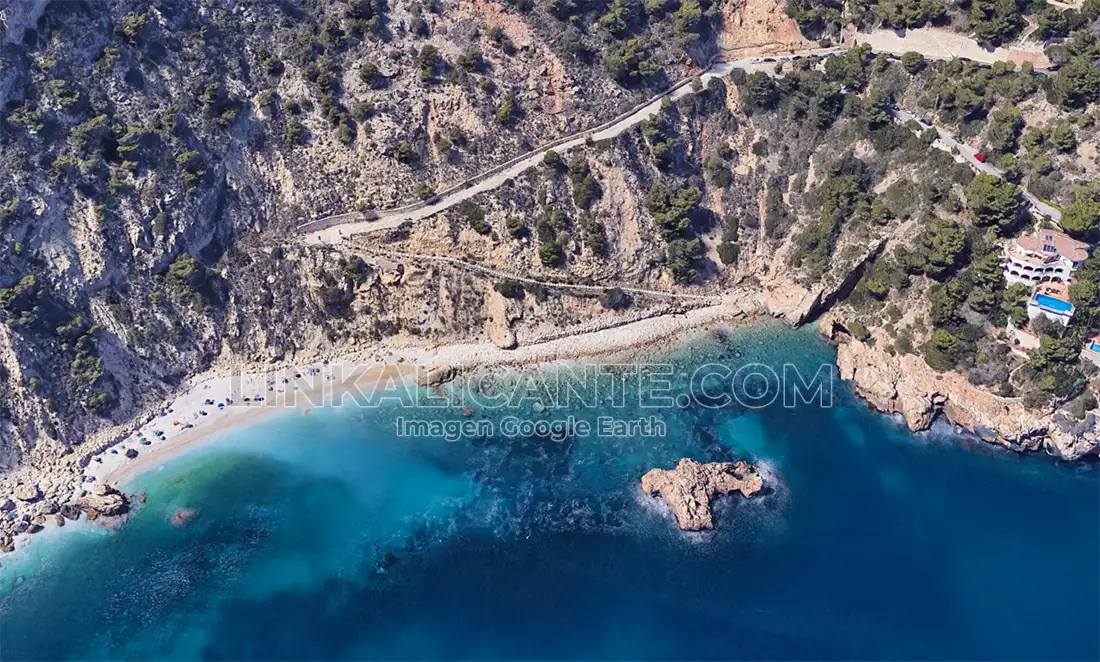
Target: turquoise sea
pixel 328 537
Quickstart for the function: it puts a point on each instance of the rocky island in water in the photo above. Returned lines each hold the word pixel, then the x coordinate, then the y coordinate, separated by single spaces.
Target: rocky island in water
pixel 217 214
pixel 689 488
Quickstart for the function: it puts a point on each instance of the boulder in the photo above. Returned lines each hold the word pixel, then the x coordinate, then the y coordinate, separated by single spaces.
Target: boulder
pixel 103 504
pixel 25 492
pixel 790 301
pixel 70 511
pixel 435 376
pixel 689 488
pixel 7 505
pixel 59 520
pixel 101 489
pixel 131 453
pixel 393 278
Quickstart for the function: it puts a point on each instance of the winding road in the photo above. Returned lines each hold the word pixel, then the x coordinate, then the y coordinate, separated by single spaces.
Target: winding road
pixel 949 143
pixel 333 229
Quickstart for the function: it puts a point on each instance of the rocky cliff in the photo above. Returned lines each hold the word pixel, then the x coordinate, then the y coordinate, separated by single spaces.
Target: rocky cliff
pixel 156 157
pixel 908 386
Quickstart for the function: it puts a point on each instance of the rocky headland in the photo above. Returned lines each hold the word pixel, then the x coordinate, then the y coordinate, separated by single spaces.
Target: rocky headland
pixel 905 384
pixel 689 488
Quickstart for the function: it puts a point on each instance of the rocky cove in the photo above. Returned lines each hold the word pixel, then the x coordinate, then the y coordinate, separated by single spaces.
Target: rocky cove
pixel 223 280
pixel 846 493
pixel 907 386
pixel 902 385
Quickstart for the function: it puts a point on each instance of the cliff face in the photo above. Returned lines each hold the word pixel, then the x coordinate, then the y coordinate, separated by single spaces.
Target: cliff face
pixel 154 160
pixel 906 385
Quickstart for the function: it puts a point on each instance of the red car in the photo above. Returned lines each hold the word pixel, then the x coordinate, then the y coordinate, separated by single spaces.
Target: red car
pixel 979 157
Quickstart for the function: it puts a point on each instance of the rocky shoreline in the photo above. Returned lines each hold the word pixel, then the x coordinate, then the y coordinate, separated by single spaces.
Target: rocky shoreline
pixel 902 385
pixel 38 509
pixel 61 478
pixel 906 385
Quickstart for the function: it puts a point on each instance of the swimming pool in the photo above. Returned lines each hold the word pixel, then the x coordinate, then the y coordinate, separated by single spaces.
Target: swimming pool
pixel 1056 305
pixel 1094 347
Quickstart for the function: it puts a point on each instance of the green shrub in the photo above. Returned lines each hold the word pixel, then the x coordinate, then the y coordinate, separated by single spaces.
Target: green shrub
pixel 506 112
pixel 585 187
pixel 913 62
pixel 362 110
pixel 472 59
pixel 510 289
pixel 551 254
pixel 369 73
pixel 515 226
pixel 858 330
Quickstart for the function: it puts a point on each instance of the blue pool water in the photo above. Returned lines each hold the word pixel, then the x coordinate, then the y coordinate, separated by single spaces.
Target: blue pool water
pixel 1094 346
pixel 1053 304
pixel 873 543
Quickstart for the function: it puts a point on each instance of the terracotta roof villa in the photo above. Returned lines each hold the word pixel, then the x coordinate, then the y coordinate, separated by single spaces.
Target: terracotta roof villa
pixel 1043 256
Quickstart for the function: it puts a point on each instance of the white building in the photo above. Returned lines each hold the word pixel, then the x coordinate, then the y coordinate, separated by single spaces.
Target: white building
pixel 1042 257
pixel 1051 300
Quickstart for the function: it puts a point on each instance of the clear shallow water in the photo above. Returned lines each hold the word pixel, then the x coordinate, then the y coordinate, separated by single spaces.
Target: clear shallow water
pixel 875 543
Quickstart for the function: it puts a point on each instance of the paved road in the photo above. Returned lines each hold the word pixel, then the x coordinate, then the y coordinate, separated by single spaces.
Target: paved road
pixel 966 153
pixel 333 229
pixel 388 220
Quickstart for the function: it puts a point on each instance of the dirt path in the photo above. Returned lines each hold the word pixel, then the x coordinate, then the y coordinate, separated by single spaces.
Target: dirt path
pixel 504 275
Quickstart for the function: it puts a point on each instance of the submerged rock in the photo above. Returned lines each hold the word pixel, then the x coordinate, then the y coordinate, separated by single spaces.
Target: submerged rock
pixel 689 488
pixel 436 376
pixel 183 517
